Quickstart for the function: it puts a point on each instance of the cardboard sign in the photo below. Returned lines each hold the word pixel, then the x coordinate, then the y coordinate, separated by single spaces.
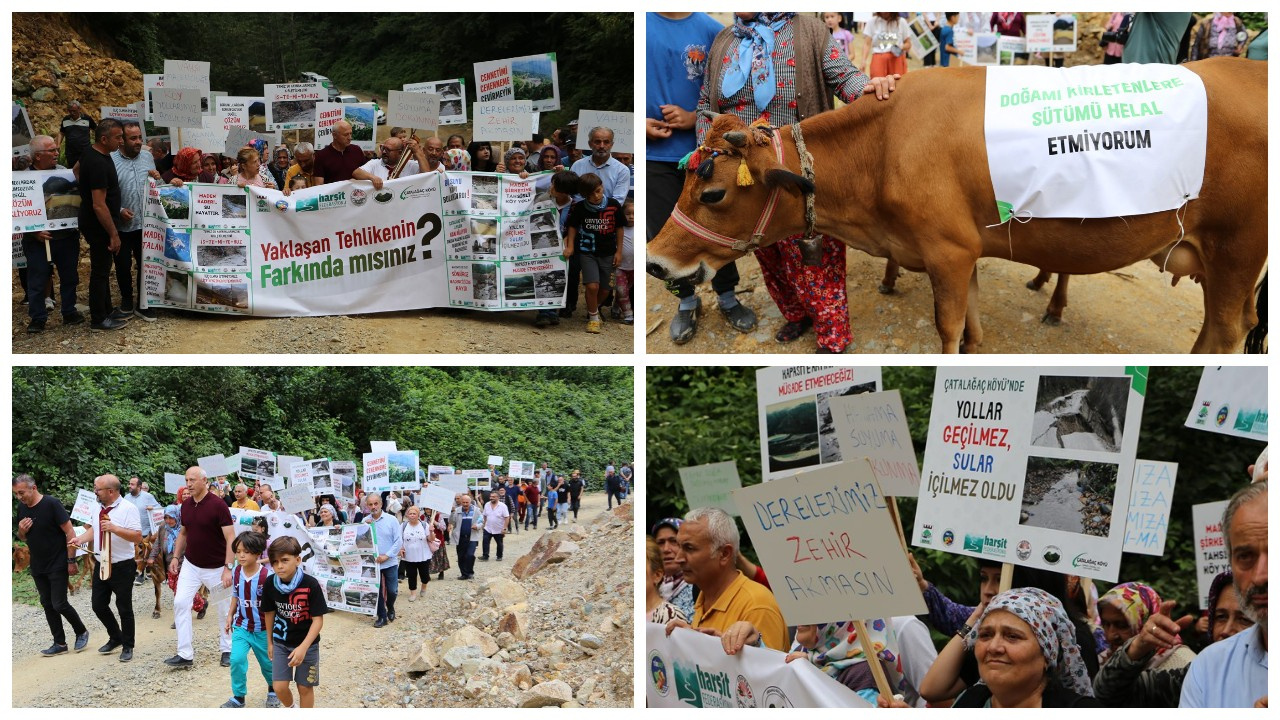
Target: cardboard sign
pixel 297 498
pixel 292 106
pixel 215 465
pixel 413 109
pixel 177 107
pixel 495 460
pixel 796 427
pixel 1231 400
pixel 503 121
pixel 173 482
pixel 376 477
pixel 437 497
pixel 1150 499
pixel 874 426
pixel 1031 466
pixel 259 465
pixel 453 98
pixel 187 74
pixel 830 541
pixel 86 508
pixel 621 123
pixel 1211 547
pixel 456 484
pixel 520 469
pixel 711 485
pixel 532 78
pixel 45 200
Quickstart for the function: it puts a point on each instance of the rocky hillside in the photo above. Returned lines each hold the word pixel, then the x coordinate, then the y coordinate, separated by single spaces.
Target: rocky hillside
pixel 54 63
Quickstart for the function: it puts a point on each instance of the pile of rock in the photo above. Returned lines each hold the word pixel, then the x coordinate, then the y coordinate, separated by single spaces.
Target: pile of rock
pixel 560 634
pixel 53 64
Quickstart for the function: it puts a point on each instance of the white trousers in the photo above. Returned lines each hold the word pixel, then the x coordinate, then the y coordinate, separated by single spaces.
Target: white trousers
pixel 190 579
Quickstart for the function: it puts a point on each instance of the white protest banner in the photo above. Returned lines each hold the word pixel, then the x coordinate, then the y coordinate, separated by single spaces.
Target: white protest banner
pixel 149 83
pixel 985 49
pixel 1027 465
pixel 45 200
pixel 796 429
pixel 209 137
pixel 829 535
pixel 1232 401
pixel 19 256
pixel 376 477
pixel 242 520
pixel 621 123
pixel 187 74
pixel 234 111
pixel 121 112
pixel 520 469
pixel 257 464
pixel 711 485
pixel 284 466
pixel 86 507
pixel 1009 47
pixel 689 669
pixel 453 98
pixel 22 130
pixel 478 479
pixel 1150 499
pixel 345 564
pixel 437 497
pixel 173 482
pixel 1211 549
pixel 215 465
pixel 923 41
pixel 297 498
pixel 874 426
pixel 503 121
pixel 360 116
pixel 418 110
pixel 495 460
pixel 533 77
pixel 177 107
pixel 402 468
pixel 220 207
pixel 238 137
pixel 456 483
pixel 212 107
pixel 344 477
pixel 382 446
pixel 292 106
pixel 1094 141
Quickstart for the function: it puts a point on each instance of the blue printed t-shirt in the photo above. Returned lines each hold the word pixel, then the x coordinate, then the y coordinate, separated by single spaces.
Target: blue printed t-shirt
pixel 597 230
pixel 946 37
pixel 677 60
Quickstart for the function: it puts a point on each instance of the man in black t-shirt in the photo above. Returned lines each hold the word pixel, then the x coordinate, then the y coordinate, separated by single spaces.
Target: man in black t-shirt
pixel 75 130
pixel 575 486
pixel 99 211
pixel 43 523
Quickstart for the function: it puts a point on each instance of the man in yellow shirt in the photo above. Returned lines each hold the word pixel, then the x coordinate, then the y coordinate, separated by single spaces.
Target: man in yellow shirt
pixel 243 501
pixel 731 607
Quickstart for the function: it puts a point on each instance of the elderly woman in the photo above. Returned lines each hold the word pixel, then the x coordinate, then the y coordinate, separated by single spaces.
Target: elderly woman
pixel 326 516
pixel 417 550
pixel 162 551
pixel 1124 610
pixel 251 171
pixel 513 161
pixel 186 167
pixel 836 650
pixel 548 158
pixel 656 607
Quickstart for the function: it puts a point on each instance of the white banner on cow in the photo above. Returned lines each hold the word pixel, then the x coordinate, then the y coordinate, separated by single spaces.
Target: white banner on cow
pixel 45 200
pixel 533 77
pixel 1232 401
pixel 796 427
pixel 1094 141
pixel 1027 465
pixel 1211 549
pixel 453 98
pixel 689 669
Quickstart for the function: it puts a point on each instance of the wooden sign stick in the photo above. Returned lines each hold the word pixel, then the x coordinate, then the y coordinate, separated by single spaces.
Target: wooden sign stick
pixel 873 660
pixel 1006 576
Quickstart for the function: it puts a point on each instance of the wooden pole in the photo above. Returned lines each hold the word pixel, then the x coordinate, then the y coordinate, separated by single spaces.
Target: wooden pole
pixel 1006 576
pixel 873 660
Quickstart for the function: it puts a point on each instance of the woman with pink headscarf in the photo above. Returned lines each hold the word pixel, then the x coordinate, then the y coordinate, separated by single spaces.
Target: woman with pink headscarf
pixel 1222 35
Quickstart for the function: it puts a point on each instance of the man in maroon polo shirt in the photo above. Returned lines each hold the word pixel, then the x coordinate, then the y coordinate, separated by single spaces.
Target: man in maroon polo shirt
pixel 205 539
pixel 336 162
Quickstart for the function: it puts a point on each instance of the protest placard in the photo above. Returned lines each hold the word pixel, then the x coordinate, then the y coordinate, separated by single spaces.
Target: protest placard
pixel 1052 32
pixel 257 465
pixel 22 130
pixel 212 107
pixel 503 121
pixel 1009 47
pixel 456 483
pixel 453 98
pixel 418 110
pixel 156 516
pixel 1150 499
pixel 435 472
pixel 238 137
pixel 360 116
pixel 297 498
pixel 86 507
pixel 711 485
pixel 874 426
pixel 1231 400
pixel 382 446
pixel 177 107
pixel 173 482
pixel 187 74
pixel 520 469
pixel 534 78
pixel 299 474
pixel 320 477
pixel 965 42
pixel 220 207
pixel 831 542
pixel 150 82
pixel 796 429
pixel 437 497
pixel 344 477
pixel 688 669
pixel 242 520
pixel 208 137
pixel 495 460
pixel 1211 548
pixel 621 123
pixel 292 106
pixel 478 479
pixel 923 41
pixel 402 469
pixel 215 465
pixel 284 465
pixel 1027 465
pixel 122 112
pixel 235 111
pixel 376 476
pixel 45 200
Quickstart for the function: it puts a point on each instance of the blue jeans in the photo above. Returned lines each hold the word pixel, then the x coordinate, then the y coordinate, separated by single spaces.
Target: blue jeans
pixel 387 596
pixel 66 258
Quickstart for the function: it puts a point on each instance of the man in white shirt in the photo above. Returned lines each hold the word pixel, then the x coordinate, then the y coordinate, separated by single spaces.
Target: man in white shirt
pixel 116 525
pixel 495 520
pixel 379 169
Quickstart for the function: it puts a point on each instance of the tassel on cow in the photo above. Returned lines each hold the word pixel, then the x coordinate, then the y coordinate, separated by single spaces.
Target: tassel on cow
pixel 707 167
pixel 744 174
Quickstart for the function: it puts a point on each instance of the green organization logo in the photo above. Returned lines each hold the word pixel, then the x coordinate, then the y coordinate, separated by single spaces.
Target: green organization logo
pixel 310 204
pixel 701 688
pixel 984 545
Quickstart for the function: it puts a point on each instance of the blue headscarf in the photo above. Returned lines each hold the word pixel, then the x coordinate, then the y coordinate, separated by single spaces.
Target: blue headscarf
pixel 171 537
pixel 753 59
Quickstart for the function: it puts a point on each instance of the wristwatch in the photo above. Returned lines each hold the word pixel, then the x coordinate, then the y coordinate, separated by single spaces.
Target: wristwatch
pixel 963 631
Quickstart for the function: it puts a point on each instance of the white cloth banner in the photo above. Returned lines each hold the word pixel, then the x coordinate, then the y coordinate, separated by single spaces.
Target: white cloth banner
pixel 689 669
pixel 1094 141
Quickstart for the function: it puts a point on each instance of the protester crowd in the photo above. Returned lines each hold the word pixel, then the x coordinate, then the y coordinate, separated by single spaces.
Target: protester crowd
pixel 114 174
pixel 1047 641
pixel 276 608
pixel 780 68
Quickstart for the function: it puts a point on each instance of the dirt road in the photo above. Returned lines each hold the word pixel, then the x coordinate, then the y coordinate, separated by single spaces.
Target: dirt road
pixel 349 668
pixel 1131 310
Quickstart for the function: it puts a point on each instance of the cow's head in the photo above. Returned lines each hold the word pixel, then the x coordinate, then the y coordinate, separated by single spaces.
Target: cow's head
pixel 728 183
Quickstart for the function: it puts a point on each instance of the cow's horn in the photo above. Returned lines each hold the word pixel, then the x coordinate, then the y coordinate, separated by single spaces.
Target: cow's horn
pixel 710 116
pixel 736 139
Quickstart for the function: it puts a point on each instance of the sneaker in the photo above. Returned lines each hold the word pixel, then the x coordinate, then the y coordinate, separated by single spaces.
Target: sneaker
pixel 49 304
pixel 54 649
pixel 594 326
pixel 226 660
pixel 73 319
pixel 82 641
pixel 685 324
pixel 121 315
pixel 138 580
pixel 234 703
pixel 615 312
pixel 107 324
pixel 109 648
pixel 272 701
pixel 629 319
pixel 35 327
pixel 146 314
pixel 177 661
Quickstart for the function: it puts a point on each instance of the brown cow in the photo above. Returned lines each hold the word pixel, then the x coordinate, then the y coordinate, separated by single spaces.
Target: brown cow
pixel 140 553
pixel 1052 314
pixel 869 194
pixel 84 567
